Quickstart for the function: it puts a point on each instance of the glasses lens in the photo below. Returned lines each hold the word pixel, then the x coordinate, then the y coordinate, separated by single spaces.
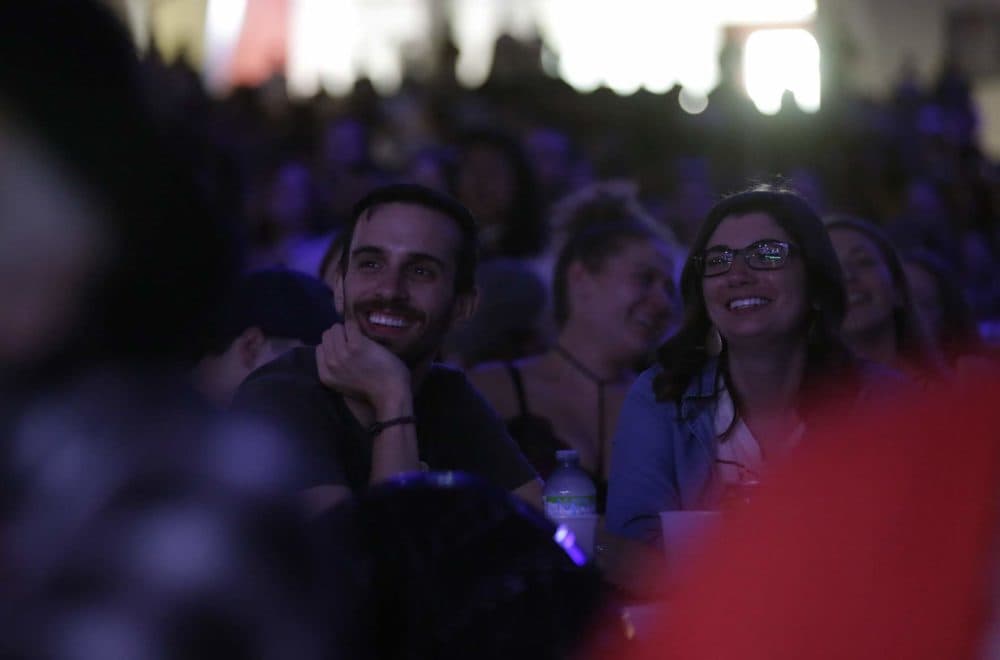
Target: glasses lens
pixel 769 254
pixel 717 262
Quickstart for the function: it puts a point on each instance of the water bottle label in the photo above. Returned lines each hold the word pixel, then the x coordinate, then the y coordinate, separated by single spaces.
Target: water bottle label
pixel 567 506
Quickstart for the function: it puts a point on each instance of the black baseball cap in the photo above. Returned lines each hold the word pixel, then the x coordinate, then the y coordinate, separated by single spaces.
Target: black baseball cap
pixel 283 303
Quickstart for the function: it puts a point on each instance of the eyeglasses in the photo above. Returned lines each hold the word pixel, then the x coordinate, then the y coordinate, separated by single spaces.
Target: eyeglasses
pixel 767 254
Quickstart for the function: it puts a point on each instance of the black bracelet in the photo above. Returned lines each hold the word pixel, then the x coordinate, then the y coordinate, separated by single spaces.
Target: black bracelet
pixel 378 427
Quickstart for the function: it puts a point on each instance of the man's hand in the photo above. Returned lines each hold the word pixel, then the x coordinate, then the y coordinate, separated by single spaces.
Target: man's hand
pixel 358 367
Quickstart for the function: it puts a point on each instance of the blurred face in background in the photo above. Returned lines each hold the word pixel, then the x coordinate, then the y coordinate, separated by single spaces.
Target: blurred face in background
pixel 345 144
pixel 926 298
pixel 290 202
pixel 52 247
pixel 871 295
pixel 550 152
pixel 486 184
pixel 630 300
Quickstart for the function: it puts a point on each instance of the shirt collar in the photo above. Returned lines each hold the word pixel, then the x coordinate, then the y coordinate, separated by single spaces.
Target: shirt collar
pixel 702 389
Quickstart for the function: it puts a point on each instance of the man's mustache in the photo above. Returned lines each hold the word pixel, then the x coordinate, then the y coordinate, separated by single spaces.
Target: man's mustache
pixel 388 307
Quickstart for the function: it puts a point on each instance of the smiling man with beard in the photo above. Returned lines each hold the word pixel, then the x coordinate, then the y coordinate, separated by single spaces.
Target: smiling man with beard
pixel 368 402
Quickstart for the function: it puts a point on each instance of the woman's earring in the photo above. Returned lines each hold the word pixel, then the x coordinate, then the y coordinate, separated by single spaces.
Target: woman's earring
pixel 713 342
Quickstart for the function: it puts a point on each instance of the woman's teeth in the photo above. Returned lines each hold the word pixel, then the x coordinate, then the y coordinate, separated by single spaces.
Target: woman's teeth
pixel 745 303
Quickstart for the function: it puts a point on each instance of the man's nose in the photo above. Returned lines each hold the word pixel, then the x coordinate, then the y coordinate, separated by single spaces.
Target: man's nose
pixel 391 284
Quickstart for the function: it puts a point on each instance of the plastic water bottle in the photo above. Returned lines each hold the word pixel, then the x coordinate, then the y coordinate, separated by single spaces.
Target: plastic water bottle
pixel 569 492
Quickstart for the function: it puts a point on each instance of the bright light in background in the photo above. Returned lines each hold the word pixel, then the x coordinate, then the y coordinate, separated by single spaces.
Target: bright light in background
pixel 631 44
pixel 764 11
pixel 335 42
pixel 692 103
pixel 628 44
pixel 475 27
pixel 138 16
pixel 223 25
pixel 779 60
pixel 391 32
pixel 323 41
pixel 625 45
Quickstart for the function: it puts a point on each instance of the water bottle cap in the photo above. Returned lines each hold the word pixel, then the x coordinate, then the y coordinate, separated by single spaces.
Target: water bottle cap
pixel 567 455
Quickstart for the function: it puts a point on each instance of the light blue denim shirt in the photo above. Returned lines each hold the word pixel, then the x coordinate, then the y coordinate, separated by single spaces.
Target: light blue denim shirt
pixel 662 457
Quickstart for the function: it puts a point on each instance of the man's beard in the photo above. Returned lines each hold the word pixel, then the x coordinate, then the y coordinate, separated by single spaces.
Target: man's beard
pixel 423 347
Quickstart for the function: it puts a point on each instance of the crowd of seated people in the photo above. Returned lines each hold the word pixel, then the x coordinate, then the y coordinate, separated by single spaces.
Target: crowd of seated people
pixel 228 425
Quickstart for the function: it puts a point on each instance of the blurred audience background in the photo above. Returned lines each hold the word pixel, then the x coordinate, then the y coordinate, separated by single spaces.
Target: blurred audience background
pixel 284 155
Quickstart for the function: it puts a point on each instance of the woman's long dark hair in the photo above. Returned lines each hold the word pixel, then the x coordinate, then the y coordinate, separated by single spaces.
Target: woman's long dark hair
pixel 913 346
pixel 683 356
pixel 959 334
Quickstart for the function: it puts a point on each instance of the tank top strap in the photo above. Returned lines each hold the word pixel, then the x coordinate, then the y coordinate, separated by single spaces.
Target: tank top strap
pixel 518 383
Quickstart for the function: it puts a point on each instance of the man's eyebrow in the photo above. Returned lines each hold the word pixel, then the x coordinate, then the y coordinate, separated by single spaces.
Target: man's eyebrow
pixel 423 256
pixel 366 249
pixel 373 250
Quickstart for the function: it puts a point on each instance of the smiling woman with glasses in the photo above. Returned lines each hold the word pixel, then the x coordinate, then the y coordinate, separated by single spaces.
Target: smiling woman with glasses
pixel 757 359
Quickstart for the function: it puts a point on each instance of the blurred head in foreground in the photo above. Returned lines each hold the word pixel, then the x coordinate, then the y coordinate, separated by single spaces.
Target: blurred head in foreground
pixel 857 549
pixel 106 249
pixel 442 565
pixel 132 523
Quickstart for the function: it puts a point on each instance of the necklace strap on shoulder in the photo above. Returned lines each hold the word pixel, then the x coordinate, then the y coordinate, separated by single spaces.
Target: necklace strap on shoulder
pixel 580 366
pixel 600 383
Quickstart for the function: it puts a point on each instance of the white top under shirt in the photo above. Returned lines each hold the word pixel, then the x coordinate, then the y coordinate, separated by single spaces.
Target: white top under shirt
pixel 739 458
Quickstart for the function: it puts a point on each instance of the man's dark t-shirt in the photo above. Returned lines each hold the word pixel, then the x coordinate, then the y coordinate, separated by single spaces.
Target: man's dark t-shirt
pixel 456 428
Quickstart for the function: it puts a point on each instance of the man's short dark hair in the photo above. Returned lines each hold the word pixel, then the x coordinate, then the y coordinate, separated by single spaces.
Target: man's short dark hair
pixel 412 193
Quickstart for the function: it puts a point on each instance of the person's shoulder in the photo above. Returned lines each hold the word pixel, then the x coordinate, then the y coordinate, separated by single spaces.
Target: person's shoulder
pixel 296 365
pixel 289 377
pixel 644 386
pixel 875 374
pixel 648 375
pixel 447 391
pixel 879 383
pixel 486 375
pixel 495 381
pixel 445 380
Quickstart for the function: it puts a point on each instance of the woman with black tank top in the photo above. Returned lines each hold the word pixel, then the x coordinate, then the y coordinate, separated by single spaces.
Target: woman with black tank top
pixel 614 299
